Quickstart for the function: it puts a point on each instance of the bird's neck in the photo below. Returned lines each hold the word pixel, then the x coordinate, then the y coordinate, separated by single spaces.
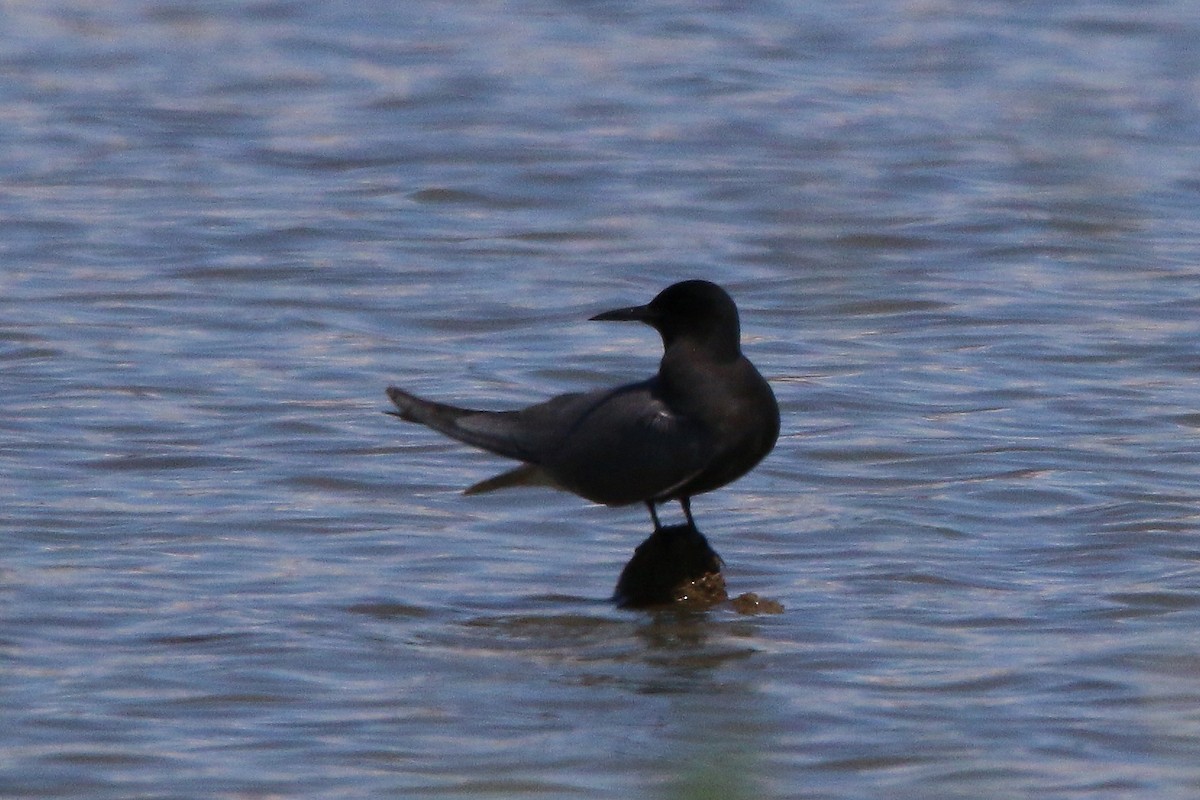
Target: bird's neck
pixel 692 369
pixel 711 349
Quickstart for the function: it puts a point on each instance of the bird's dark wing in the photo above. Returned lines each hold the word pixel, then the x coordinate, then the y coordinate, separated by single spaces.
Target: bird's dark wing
pixel 615 446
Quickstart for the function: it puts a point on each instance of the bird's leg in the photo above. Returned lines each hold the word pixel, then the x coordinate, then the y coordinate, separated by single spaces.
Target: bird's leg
pixel 654 516
pixel 686 502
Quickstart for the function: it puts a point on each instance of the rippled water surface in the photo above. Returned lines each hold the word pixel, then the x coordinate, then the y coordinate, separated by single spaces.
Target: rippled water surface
pixel 965 244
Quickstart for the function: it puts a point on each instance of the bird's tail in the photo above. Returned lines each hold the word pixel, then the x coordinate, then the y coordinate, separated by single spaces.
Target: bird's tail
pixel 494 431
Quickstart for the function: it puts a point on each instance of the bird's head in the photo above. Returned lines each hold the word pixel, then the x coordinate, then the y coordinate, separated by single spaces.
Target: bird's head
pixel 696 311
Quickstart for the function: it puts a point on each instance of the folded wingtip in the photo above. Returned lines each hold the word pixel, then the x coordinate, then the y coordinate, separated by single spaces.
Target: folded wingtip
pixel 524 475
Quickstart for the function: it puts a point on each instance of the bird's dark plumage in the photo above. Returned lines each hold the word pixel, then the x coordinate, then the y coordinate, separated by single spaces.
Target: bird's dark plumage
pixel 703 421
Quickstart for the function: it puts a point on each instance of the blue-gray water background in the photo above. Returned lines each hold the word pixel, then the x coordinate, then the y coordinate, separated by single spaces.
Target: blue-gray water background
pixel 965 239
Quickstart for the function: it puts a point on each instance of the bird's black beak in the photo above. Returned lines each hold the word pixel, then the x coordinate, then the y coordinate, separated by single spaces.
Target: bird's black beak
pixel 630 314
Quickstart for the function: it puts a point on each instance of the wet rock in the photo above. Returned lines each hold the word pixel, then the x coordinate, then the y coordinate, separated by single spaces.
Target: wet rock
pixel 674 566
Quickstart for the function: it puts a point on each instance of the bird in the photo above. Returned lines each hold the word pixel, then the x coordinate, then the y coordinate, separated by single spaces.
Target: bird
pixel 705 419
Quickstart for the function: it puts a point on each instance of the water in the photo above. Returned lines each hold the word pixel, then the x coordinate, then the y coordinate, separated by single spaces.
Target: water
pixel 964 240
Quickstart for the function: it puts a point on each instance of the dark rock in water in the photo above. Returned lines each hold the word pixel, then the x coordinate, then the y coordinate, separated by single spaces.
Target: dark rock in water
pixel 674 566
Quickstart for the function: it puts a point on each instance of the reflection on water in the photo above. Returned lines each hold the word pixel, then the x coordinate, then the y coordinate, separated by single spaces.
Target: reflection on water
pixel 964 243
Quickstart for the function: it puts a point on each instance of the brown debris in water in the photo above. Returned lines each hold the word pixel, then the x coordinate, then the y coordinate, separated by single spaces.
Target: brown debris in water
pixel 750 603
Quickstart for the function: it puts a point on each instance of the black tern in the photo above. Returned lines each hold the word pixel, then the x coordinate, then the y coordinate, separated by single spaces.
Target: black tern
pixel 705 420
